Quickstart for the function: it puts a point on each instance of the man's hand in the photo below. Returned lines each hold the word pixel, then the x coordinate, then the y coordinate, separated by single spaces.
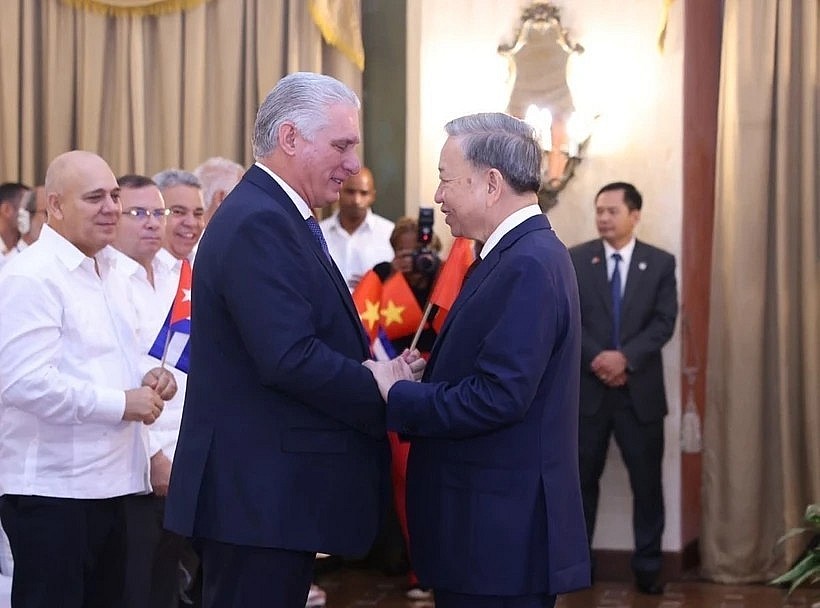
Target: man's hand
pixel 162 381
pixel 415 361
pixel 142 405
pixel 160 473
pixel 610 367
pixel 387 373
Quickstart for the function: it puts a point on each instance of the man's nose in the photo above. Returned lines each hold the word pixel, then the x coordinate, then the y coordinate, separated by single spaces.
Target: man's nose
pixel 111 205
pixel 437 197
pixel 351 164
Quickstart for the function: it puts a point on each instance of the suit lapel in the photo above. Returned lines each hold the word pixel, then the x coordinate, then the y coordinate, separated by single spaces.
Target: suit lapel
pixel 480 273
pixel 634 277
pixel 598 268
pixel 264 181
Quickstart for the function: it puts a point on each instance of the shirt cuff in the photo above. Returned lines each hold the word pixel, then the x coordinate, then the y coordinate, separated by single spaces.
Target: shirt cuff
pixel 110 406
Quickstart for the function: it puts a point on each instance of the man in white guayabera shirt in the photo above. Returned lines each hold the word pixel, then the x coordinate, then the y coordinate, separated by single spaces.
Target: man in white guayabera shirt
pixel 74 399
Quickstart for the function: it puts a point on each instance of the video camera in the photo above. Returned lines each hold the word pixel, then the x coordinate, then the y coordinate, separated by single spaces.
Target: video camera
pixel 425 258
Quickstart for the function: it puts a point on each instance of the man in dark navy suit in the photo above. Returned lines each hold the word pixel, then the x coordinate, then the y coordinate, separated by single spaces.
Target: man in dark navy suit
pixel 494 503
pixel 282 446
pixel 622 391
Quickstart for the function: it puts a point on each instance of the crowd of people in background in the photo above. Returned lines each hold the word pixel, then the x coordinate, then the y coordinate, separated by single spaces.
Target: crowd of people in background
pixel 72 335
pixel 112 497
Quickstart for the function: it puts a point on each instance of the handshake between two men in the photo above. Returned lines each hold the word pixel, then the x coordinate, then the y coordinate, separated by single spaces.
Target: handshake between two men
pixel 407 366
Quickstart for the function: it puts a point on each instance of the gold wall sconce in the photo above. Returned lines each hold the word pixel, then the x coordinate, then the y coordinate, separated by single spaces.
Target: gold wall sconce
pixel 540 95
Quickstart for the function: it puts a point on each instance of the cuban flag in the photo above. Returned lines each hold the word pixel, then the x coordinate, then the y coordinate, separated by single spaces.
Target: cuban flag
pixel 382 347
pixel 172 343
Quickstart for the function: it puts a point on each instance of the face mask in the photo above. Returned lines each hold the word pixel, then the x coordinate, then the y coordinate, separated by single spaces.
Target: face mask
pixel 23 220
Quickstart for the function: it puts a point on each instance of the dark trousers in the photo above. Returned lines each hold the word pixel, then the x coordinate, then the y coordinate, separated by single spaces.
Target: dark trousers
pixel 68 553
pixel 448 599
pixel 153 554
pixel 239 576
pixel 641 447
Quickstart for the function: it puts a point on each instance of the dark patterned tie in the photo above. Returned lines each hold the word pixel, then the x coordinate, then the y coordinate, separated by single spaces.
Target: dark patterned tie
pixel 317 233
pixel 615 286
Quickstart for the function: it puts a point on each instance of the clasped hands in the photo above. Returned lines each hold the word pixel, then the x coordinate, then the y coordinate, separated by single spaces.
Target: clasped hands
pixel 407 366
pixel 610 367
pixel 144 404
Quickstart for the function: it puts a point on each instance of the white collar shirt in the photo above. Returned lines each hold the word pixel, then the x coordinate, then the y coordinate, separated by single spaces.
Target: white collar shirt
pixel 69 349
pixel 7 254
pixel 626 257
pixel 511 221
pixel 298 201
pixel 359 252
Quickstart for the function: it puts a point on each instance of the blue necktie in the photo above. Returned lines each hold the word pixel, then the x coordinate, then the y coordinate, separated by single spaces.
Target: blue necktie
pixel 317 233
pixel 615 286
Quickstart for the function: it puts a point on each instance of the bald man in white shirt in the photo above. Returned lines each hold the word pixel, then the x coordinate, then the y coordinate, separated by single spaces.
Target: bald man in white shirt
pixel 74 397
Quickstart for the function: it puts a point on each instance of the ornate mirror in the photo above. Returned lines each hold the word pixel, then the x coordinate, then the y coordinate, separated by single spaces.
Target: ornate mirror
pixel 540 94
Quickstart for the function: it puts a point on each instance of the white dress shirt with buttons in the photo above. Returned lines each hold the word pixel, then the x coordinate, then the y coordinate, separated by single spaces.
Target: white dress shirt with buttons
pixel 68 351
pixel 154 304
pixel 357 253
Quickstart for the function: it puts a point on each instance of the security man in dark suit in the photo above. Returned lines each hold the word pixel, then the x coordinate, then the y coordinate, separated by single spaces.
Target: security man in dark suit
pixel 628 309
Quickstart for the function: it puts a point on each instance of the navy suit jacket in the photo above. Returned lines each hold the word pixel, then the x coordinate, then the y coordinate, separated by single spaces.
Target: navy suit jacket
pixel 282 442
pixel 648 312
pixel 494 502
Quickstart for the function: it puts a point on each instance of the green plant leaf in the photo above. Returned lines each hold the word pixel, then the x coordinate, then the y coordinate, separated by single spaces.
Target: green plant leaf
pixel 805 570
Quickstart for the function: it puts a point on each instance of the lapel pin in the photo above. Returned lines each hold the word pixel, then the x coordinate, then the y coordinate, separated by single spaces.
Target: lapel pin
pixel 641 265
pixel 596 260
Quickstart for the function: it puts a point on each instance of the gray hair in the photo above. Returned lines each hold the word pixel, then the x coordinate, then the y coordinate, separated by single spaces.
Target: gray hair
pixel 500 141
pixel 301 98
pixel 176 177
pixel 217 173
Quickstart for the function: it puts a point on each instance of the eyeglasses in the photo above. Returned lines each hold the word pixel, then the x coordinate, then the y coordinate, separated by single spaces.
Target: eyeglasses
pixel 142 214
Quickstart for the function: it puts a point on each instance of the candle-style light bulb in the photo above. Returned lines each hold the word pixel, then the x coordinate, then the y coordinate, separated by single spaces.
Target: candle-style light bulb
pixel 540 119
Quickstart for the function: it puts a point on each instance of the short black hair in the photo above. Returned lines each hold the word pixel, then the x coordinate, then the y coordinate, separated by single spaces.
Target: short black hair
pixel 12 191
pixel 632 197
pixel 135 182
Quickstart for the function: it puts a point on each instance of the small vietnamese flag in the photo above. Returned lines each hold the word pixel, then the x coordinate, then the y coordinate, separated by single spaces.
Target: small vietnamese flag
pixel 367 297
pixel 450 279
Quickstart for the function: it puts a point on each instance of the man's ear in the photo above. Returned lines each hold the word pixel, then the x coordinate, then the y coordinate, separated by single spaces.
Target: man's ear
pixel 495 184
pixel 287 138
pixel 54 206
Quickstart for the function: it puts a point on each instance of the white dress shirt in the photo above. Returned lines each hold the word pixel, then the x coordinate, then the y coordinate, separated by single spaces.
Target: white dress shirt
pixel 510 222
pixel 623 267
pixel 68 351
pixel 359 252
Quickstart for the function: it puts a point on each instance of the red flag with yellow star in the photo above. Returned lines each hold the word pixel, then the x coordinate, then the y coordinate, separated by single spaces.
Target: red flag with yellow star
pixel 400 312
pixel 367 297
pixel 450 279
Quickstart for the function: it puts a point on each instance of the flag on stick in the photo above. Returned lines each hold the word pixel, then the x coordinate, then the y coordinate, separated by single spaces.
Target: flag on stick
pixel 173 340
pixel 367 297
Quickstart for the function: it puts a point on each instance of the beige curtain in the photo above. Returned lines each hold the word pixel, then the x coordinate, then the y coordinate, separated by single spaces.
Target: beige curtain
pixel 150 92
pixel 762 428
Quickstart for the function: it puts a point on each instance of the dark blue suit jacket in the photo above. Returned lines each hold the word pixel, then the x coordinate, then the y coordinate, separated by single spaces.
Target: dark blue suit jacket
pixel 648 313
pixel 494 503
pixel 282 442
